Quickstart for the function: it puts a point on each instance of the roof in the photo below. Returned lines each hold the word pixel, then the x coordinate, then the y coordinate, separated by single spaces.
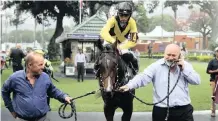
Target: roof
pixel 88 30
pixel 159 32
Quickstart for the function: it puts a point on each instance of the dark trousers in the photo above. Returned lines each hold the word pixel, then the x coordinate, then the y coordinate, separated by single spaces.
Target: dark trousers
pixel 80 71
pixel 178 113
pixel 17 67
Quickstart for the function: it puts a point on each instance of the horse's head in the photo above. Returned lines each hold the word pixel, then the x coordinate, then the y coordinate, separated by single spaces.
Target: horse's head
pixel 108 65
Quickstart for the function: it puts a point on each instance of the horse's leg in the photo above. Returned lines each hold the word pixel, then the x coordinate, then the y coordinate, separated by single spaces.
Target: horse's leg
pixel 127 111
pixel 109 112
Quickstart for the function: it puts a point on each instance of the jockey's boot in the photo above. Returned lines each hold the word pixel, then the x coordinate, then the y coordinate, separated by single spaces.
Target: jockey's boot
pixel 132 61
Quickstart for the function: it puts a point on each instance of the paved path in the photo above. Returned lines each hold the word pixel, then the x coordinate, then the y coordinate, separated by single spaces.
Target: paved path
pixel 99 116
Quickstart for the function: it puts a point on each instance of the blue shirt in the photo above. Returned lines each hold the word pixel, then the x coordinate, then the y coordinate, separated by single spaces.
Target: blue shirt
pixel 29 101
pixel 157 73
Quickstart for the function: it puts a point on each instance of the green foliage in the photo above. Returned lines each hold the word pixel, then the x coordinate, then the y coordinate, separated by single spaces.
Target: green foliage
pixel 202 25
pixel 203 58
pixel 56 63
pixel 141 17
pixel 192 58
pixel 17 20
pixel 54 51
pixel 166 21
pixel 210 7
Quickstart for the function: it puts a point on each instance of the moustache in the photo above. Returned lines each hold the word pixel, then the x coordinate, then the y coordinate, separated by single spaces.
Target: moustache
pixel 174 61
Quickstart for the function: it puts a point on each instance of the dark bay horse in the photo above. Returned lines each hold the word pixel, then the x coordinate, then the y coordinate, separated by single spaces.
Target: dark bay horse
pixel 113 74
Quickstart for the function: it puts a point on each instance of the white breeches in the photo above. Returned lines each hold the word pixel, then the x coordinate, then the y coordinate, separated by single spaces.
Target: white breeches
pixel 123 51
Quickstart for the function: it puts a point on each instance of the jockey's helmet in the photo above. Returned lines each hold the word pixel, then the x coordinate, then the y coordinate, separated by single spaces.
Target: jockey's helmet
pixel 125 8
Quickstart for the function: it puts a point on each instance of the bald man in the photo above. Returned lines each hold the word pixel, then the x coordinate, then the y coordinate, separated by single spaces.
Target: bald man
pixel 17 55
pixel 180 108
pixel 30 88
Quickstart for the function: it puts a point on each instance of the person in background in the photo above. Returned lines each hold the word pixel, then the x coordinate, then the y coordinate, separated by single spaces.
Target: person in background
pixel 80 62
pixel 212 69
pixel 150 50
pixel 180 108
pixel 17 55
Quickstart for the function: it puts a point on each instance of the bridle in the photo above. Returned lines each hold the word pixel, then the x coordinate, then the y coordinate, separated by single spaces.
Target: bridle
pixel 109 74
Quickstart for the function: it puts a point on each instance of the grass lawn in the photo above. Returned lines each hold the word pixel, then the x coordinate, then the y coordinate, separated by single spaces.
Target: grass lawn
pixel 200 94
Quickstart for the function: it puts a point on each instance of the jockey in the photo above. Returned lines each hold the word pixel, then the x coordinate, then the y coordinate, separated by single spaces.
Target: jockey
pixel 48 68
pixel 118 28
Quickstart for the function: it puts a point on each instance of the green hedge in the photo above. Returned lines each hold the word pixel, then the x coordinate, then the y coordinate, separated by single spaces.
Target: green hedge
pixel 55 63
pixel 203 58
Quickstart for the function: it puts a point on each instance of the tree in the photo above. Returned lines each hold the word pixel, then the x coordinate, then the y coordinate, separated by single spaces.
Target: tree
pixel 202 25
pixel 166 21
pixel 44 9
pixel 211 8
pixel 174 5
pixel 141 17
pixel 16 21
pixel 56 10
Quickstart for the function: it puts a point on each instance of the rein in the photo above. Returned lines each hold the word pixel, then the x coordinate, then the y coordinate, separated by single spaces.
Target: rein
pixel 61 110
pixel 117 84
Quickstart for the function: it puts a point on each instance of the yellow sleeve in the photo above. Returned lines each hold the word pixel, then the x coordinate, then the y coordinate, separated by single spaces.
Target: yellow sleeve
pixel 133 26
pixel 133 36
pixel 105 31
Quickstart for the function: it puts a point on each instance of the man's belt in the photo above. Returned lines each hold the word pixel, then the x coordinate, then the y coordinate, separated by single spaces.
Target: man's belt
pixel 30 118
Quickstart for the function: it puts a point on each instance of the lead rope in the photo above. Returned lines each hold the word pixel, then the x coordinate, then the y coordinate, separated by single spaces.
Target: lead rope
pixel 61 110
pixel 167 97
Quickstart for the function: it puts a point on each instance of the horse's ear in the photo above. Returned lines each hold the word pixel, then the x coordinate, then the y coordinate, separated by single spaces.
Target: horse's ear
pixel 99 45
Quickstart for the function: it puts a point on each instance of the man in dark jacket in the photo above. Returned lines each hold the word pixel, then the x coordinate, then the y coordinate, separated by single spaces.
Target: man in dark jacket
pixel 17 55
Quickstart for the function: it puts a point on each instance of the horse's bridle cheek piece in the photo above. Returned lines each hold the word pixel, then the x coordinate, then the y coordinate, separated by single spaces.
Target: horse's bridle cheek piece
pixel 116 85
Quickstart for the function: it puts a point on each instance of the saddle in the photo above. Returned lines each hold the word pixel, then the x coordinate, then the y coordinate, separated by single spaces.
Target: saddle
pixel 129 71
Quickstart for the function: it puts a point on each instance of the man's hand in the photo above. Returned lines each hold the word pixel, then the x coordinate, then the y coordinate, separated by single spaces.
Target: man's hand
pixel 181 63
pixel 124 88
pixel 14 114
pixel 68 99
pixel 213 71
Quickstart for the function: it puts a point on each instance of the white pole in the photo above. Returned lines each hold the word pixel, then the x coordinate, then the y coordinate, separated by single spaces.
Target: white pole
pixel 34 32
pixel 1 28
pixel 42 33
